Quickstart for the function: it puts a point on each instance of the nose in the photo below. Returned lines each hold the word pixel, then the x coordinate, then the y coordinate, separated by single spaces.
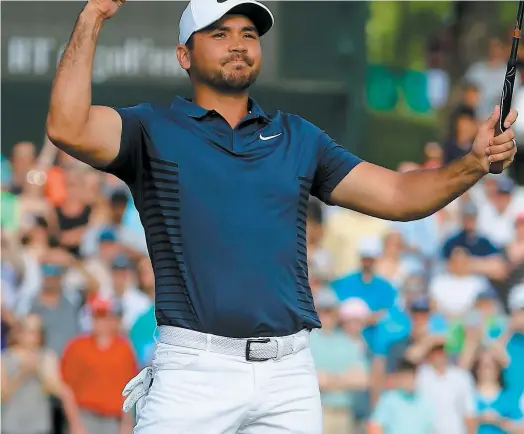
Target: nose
pixel 237 45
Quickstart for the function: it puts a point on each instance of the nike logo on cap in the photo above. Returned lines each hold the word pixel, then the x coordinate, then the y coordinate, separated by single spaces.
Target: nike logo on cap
pixel 269 137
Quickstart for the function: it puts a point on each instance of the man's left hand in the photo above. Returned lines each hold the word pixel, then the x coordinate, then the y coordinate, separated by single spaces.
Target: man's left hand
pixel 488 149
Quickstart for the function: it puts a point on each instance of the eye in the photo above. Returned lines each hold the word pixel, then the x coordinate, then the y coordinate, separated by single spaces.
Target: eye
pixel 219 35
pixel 250 35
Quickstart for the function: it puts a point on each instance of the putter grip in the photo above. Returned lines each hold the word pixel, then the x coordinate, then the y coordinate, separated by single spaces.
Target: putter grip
pixel 497 167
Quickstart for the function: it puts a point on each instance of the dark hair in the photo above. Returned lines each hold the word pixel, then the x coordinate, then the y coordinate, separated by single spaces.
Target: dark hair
pixel 190 43
pixel 119 198
pixel 466 112
pixel 406 365
pixel 476 366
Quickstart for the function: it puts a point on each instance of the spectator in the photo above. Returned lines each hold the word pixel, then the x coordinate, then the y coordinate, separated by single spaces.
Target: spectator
pixel 376 292
pixel 433 156
pixel 402 410
pixel 498 411
pixel 130 239
pixel 392 265
pixel 29 375
pixel 513 342
pixel 319 259
pixel 73 214
pixel 97 367
pixel 340 362
pixel 463 135
pixel 143 331
pixel 497 215
pixel 485 257
pixel 450 391
pixel 344 230
pixel 134 302
pixel 488 74
pixel 23 159
pixel 425 331
pixel 515 253
pixel 59 313
pixel 456 290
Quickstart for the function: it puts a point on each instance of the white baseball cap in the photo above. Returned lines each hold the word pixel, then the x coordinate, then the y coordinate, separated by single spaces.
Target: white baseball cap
pixel 516 298
pixel 369 247
pixel 201 13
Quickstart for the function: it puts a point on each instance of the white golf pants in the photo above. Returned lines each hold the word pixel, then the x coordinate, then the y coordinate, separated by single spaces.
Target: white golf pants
pixel 196 391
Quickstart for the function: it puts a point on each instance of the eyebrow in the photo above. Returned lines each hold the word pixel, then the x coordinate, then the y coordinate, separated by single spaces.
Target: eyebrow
pixel 223 28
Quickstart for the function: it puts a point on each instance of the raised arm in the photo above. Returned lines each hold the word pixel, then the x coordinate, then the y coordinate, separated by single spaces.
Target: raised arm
pixel 89 133
pixel 390 195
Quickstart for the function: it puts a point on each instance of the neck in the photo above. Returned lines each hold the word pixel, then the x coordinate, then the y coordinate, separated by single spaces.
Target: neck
pixel 50 298
pixel 232 106
pixel 367 275
pixel 103 340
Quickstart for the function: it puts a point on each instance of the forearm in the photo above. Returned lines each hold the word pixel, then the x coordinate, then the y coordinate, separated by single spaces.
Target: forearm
pixel 11 386
pixel 471 425
pixel 71 91
pixel 492 267
pixel 126 426
pixel 424 192
pixel 71 410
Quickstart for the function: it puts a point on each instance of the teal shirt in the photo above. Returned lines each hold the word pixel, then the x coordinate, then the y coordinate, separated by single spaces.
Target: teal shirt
pixel 142 336
pixel 400 413
pixel 335 353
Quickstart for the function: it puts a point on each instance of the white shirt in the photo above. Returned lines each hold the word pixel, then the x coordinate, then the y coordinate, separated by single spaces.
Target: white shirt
pixel 134 304
pixel 452 396
pixel 456 295
pixel 499 228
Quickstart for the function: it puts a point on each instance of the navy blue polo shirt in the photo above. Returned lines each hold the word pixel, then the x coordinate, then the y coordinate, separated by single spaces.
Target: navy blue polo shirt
pixel 477 245
pixel 224 212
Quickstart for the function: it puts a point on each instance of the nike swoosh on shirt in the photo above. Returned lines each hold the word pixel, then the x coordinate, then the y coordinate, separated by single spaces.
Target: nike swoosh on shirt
pixel 269 137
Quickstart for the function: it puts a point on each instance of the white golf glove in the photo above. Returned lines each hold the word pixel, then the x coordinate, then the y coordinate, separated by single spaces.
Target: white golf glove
pixel 137 388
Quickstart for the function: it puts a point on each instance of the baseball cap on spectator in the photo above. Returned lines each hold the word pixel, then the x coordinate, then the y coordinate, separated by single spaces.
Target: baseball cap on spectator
pixel 516 298
pixel 107 235
pixel 369 247
pixel 200 14
pixel 52 270
pixel 420 304
pixel 354 308
pixel 468 208
pixel 326 299
pixel 100 306
pixel 505 185
pixel 487 294
pixel 121 262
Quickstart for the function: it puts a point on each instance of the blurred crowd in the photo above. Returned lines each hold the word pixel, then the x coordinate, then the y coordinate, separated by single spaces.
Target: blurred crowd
pixel 423 321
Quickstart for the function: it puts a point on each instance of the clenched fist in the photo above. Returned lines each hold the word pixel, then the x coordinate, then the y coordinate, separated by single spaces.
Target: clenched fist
pixel 105 8
pixel 488 149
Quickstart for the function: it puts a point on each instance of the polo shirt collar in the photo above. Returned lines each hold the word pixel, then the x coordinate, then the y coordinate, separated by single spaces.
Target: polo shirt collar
pixel 198 112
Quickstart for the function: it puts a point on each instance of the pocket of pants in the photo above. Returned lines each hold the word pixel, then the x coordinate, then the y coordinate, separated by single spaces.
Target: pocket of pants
pixel 174 357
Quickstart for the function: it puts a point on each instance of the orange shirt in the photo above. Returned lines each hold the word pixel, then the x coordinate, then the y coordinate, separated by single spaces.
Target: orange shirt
pixel 97 376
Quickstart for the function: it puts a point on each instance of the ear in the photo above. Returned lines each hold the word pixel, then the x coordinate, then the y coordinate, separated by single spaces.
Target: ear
pixel 184 56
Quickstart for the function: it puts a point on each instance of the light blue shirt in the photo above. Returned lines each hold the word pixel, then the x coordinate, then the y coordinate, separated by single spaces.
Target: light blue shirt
pixel 335 353
pixel 421 234
pixel 398 412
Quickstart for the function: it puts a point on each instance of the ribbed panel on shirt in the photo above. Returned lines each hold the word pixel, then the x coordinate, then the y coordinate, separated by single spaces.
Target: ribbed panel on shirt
pixel 161 211
pixel 304 297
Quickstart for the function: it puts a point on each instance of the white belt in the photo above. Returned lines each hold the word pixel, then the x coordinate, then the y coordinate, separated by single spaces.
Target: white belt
pixel 252 349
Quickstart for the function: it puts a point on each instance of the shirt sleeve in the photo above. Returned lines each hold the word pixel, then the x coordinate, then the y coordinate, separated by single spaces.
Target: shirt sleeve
pixel 470 406
pixel 127 163
pixel 382 411
pixel 334 163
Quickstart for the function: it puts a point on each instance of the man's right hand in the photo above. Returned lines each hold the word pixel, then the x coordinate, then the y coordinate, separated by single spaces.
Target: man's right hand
pixel 105 8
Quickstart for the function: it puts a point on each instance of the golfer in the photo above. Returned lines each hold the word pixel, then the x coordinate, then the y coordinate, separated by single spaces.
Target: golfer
pixel 222 189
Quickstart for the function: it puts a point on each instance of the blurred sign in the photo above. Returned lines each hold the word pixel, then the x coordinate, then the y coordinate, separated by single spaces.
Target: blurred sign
pixel 138 44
